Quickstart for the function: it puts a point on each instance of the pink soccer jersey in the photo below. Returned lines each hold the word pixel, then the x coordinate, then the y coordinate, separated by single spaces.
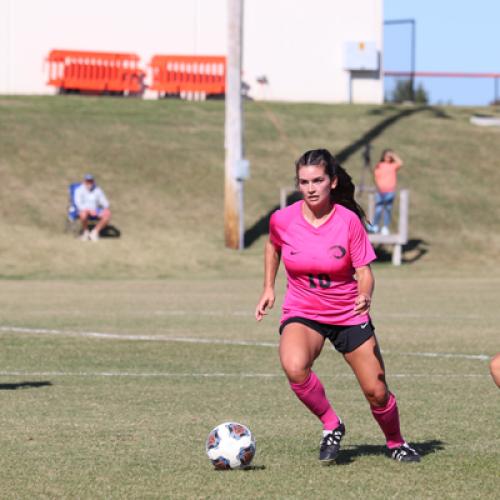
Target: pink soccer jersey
pixel 320 264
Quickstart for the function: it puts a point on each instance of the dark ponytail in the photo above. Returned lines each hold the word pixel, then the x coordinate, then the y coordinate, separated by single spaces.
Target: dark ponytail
pixel 343 194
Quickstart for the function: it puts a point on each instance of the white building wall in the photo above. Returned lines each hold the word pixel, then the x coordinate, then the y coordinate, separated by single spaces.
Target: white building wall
pixel 298 45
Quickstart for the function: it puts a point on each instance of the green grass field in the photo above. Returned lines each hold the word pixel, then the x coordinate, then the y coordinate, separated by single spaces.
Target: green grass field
pixel 126 415
pixel 119 357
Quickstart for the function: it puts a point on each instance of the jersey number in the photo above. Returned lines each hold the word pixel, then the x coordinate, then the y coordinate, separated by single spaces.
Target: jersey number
pixel 323 280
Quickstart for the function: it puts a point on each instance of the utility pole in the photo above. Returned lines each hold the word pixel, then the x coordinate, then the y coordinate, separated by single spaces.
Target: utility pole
pixel 236 168
pixel 366 167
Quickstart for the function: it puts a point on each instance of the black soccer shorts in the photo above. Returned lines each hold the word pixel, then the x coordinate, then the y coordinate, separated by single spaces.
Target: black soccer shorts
pixel 345 338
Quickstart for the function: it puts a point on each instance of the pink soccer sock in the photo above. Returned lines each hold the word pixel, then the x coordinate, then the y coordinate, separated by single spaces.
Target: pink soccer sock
pixel 388 419
pixel 312 393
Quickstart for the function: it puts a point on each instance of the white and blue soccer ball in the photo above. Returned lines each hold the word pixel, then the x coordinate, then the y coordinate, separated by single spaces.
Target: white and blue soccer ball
pixel 230 446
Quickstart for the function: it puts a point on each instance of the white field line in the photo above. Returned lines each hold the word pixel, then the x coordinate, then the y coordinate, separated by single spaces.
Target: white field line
pixel 380 316
pixel 121 336
pixel 173 312
pixel 167 312
pixel 166 338
pixel 16 373
pixel 409 315
pixel 250 314
pixel 20 373
pixel 481 357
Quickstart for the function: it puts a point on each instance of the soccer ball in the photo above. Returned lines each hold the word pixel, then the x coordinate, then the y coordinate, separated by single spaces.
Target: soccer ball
pixel 230 446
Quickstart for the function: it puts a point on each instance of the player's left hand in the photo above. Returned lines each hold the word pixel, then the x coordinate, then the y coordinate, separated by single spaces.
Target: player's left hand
pixel 362 304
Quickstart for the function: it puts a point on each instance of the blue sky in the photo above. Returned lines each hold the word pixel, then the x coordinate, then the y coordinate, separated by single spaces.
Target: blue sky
pixel 451 35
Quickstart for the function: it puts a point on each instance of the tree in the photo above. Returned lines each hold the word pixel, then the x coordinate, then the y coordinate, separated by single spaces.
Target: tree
pixel 403 92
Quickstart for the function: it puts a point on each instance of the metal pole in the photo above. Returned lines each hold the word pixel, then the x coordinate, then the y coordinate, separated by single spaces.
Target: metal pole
pixel 366 166
pixel 233 190
pixel 413 50
pixel 495 101
pixel 350 87
pixel 413 40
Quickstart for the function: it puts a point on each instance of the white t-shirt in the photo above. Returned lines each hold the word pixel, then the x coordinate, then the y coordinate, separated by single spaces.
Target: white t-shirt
pixel 90 199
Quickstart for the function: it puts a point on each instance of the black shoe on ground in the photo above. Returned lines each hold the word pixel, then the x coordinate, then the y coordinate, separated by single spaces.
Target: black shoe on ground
pixel 404 453
pixel 330 444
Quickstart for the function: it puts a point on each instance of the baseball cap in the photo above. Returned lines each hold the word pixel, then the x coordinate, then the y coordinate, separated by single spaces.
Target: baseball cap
pixel 88 177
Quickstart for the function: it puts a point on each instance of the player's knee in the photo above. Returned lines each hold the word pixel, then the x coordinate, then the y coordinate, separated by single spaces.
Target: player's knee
pixel 377 395
pixel 295 370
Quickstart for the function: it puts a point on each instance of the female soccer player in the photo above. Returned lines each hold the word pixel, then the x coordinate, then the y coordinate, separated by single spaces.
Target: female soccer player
pixel 323 244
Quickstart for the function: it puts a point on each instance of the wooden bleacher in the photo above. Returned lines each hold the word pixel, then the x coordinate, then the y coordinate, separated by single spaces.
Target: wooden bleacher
pixel 397 240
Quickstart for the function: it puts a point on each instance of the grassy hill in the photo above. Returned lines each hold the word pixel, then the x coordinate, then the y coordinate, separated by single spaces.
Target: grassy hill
pixel 161 164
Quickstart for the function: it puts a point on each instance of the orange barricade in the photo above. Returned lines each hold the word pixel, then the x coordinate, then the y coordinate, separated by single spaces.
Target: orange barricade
pixel 174 75
pixel 96 72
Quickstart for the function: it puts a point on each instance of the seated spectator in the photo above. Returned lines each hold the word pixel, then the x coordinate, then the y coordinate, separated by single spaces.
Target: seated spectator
pixel 91 203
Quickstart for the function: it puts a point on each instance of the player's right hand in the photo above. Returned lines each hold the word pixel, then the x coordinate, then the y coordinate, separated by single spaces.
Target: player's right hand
pixel 266 302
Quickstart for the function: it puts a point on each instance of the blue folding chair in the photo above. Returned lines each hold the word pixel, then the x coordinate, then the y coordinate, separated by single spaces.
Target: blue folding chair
pixel 72 209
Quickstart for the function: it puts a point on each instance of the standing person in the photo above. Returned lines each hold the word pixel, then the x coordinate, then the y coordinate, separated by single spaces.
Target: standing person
pixel 385 174
pixel 323 244
pixel 91 202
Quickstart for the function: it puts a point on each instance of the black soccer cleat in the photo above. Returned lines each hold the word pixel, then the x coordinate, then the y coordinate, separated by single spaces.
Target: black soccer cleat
pixel 405 453
pixel 330 445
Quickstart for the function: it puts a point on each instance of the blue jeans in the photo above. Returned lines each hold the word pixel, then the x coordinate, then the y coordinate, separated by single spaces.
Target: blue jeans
pixel 383 203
